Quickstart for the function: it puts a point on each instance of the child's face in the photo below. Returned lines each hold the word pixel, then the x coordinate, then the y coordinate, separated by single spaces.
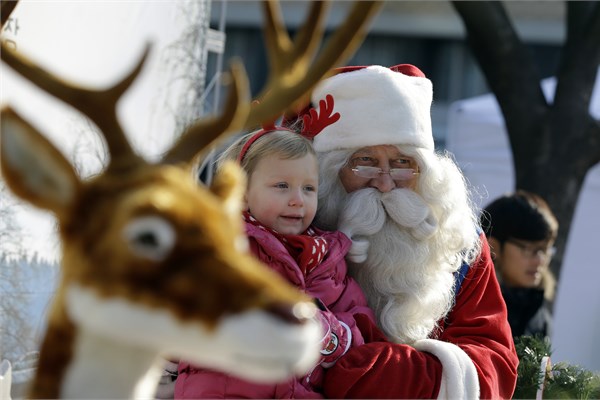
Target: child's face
pixel 282 194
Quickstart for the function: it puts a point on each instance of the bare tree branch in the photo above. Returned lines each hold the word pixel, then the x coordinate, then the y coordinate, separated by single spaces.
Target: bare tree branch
pixel 541 133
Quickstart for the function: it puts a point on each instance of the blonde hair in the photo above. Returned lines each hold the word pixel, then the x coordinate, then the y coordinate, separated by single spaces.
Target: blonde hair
pixel 286 144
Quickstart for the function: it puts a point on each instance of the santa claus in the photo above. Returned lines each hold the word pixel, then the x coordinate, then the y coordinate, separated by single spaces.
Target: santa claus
pixel 417 251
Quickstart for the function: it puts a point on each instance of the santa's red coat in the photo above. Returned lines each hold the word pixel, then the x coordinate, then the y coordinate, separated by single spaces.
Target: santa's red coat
pixel 475 333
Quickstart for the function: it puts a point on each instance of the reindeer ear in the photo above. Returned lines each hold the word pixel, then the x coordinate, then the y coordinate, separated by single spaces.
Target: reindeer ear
pixel 229 184
pixel 33 168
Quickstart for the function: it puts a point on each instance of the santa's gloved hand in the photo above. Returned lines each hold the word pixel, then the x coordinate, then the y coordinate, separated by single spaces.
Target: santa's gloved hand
pixel 336 338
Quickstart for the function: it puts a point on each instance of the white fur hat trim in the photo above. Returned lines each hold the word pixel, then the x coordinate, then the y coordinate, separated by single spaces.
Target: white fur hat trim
pixel 377 106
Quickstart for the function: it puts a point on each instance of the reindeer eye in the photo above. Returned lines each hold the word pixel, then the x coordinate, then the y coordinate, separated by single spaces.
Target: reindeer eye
pixel 152 238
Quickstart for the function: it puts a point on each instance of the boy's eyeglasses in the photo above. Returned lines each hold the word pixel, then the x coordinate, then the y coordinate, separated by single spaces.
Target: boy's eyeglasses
pixel 397 174
pixel 529 251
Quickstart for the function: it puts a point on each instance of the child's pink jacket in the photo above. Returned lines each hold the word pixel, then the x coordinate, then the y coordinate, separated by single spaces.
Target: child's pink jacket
pixel 329 283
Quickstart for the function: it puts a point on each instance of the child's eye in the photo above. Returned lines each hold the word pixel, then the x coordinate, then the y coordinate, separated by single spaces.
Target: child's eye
pixel 281 185
pixel 310 188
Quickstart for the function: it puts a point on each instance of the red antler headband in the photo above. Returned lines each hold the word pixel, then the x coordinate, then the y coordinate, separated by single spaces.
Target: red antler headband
pixel 314 123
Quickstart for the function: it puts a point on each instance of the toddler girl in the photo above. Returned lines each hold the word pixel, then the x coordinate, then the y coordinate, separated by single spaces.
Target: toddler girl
pixel 280 204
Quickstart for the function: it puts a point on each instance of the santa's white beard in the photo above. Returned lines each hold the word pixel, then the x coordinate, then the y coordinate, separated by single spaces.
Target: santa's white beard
pixel 394 260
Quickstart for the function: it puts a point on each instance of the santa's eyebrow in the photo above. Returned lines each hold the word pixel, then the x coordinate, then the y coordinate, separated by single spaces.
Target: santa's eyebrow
pixel 363 152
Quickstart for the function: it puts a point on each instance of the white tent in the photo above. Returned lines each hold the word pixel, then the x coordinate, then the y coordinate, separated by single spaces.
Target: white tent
pixel 477 137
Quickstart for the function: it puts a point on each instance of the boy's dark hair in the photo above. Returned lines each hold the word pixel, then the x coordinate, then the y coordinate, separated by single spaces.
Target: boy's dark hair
pixel 520 215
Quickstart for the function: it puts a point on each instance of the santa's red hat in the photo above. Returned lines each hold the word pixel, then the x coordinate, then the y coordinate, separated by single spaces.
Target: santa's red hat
pixel 377 105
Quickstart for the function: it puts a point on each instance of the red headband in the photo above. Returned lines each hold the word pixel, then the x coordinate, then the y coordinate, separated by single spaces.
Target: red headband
pixel 314 123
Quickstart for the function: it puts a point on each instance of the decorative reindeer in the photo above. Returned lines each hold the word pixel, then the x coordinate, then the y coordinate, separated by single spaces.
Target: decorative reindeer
pixel 154 263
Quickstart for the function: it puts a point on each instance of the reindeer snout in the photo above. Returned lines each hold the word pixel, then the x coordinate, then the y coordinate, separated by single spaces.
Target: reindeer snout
pixel 298 313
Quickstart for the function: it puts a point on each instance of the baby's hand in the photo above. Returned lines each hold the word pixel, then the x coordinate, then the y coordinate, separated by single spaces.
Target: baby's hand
pixel 336 338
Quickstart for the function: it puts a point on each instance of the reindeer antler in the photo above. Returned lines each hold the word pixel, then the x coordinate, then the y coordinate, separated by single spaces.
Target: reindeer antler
pixel 99 105
pixel 6 8
pixel 293 72
pixel 199 135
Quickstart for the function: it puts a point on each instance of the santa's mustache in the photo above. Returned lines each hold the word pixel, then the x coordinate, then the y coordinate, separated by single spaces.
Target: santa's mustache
pixel 366 211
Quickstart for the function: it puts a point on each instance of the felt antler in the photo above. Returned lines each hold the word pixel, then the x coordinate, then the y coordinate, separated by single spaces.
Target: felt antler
pixel 315 122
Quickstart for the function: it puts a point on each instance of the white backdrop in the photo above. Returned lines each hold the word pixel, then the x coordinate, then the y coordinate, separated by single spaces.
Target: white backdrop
pixel 477 137
pixel 93 43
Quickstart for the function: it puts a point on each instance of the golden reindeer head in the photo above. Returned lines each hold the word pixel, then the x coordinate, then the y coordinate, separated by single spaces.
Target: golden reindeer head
pixel 149 255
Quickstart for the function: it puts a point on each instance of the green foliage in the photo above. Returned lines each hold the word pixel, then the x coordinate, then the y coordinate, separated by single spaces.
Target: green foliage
pixel 565 381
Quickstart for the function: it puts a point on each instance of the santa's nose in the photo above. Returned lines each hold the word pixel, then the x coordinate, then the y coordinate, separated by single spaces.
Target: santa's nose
pixel 384 183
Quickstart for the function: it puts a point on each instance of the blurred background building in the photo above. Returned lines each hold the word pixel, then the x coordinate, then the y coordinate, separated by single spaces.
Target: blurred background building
pixel 428 34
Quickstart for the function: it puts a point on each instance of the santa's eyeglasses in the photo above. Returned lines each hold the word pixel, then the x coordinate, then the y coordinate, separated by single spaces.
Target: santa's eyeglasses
pixel 397 174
